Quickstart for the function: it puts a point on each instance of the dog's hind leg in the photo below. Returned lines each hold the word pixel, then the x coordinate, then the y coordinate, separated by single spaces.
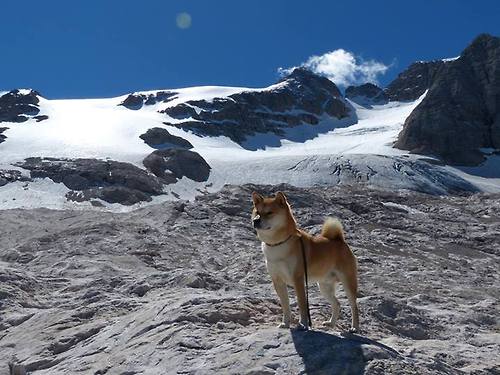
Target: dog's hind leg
pixel 350 283
pixel 327 289
pixel 282 292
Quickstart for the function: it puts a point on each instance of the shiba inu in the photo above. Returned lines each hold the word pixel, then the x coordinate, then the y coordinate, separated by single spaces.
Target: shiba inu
pixel 328 257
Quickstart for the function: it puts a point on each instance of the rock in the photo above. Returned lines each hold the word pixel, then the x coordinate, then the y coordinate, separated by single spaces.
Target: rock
pixel 301 98
pixel 414 81
pixel 183 288
pixel 7 176
pixel 137 100
pixel 111 181
pixel 366 94
pixel 460 114
pixel 173 164
pixel 41 118
pixel 160 138
pixel 19 106
pixel 2 137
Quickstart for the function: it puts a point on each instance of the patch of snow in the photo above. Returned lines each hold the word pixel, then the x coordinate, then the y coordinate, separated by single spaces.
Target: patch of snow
pixel 451 59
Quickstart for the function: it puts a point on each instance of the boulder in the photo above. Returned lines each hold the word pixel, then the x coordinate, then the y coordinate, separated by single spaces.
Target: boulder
pixel 173 164
pixel 161 138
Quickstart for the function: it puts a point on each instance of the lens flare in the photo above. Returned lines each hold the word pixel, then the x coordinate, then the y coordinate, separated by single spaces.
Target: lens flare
pixel 183 20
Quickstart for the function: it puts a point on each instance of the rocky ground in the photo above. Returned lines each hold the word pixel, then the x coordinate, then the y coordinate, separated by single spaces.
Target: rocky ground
pixel 182 288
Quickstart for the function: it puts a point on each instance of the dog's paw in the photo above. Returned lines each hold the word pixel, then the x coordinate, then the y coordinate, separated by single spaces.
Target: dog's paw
pixel 301 327
pixel 353 330
pixel 284 325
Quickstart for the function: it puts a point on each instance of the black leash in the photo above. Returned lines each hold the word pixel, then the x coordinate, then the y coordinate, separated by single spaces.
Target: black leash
pixel 307 283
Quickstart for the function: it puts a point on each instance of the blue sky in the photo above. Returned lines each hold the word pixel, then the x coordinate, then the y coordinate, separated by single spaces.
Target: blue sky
pixel 101 48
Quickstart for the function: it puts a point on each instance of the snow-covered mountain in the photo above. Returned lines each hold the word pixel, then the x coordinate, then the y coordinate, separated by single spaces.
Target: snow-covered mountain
pixel 153 146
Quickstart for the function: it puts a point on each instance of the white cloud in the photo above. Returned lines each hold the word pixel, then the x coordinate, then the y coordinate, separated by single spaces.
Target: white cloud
pixel 343 68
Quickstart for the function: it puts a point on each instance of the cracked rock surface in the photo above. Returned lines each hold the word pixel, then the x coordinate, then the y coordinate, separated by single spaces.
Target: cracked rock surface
pixel 182 288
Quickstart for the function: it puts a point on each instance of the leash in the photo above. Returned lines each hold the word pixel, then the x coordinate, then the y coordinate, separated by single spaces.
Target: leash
pixel 307 283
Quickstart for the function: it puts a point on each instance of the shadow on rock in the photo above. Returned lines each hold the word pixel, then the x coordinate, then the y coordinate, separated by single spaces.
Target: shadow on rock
pixel 324 353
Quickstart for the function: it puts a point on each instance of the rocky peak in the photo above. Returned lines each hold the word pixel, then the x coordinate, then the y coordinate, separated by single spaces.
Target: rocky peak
pixel 460 114
pixel 366 94
pixel 302 78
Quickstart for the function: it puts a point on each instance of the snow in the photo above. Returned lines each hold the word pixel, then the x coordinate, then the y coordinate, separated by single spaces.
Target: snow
pixel 101 128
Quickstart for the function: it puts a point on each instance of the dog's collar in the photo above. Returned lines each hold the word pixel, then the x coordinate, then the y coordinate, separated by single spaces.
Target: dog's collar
pixel 279 243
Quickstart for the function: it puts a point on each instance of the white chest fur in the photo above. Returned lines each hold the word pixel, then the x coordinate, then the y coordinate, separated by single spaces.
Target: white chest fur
pixel 279 262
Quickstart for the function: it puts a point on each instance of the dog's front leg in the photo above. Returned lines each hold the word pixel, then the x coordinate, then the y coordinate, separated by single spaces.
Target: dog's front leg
pixel 282 292
pixel 300 292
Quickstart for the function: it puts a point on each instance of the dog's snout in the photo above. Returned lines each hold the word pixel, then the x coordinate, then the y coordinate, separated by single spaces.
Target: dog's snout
pixel 256 221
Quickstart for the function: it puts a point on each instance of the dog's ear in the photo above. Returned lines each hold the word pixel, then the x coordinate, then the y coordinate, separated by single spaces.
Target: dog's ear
pixel 281 199
pixel 257 198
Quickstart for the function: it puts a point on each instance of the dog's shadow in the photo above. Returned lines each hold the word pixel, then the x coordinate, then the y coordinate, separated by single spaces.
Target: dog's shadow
pixel 325 353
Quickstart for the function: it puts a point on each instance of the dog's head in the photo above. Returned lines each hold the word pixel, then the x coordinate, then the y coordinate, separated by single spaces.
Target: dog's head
pixel 270 214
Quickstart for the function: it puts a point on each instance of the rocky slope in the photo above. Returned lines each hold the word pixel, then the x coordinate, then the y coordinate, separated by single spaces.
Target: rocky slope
pixel 460 114
pixel 182 288
pixel 413 81
pixel 300 98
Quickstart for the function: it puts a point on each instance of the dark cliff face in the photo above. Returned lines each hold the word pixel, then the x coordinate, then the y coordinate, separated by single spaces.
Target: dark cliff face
pixel 300 98
pixel 414 81
pixel 460 113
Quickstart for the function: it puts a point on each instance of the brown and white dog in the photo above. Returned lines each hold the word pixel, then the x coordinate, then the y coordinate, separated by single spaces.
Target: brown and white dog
pixel 329 259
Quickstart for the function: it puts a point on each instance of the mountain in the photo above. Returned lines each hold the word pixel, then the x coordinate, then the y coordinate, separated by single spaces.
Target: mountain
pixel 460 115
pixel 300 98
pixel 154 146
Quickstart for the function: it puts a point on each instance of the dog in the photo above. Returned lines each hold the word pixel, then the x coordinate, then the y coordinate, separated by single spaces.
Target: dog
pixel 328 257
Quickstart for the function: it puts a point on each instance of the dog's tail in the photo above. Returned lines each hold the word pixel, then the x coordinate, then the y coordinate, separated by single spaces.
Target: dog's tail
pixel 332 229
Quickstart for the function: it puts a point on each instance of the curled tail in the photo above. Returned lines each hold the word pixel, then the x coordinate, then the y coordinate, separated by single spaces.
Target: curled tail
pixel 332 229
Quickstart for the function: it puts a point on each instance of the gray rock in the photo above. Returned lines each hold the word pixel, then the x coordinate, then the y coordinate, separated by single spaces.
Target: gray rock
pixel 173 164
pixel 366 94
pixel 183 287
pixel 414 81
pixel 461 112
pixel 111 181
pixel 160 138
